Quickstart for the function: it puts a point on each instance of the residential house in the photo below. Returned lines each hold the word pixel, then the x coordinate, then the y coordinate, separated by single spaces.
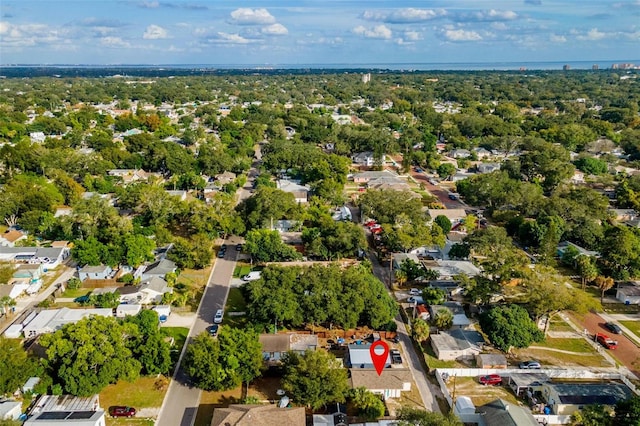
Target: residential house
pixel 342 213
pixel 286 225
pixel 12 291
pixel 129 175
pixel 274 346
pixel 503 413
pixel 367 158
pixel 125 309
pixel 491 361
pixel 49 257
pixel 392 183
pixel 225 178
pixel 63 211
pixel 623 215
pixel 422 312
pixel 99 272
pixel 153 289
pixel 359 356
pixel 390 384
pixel 482 153
pixel 335 419
pixel 460 153
pixel 29 272
pixel 455 216
pixel 10 410
pixel 449 269
pixel 365 177
pixel 400 258
pixel 562 247
pixel 629 294
pixel 180 193
pixel 578 177
pixel 568 397
pixel 70 410
pixel 487 167
pixel 300 192
pixel 11 237
pixel 457 344
pixel 159 268
pixel 37 137
pixel 460 319
pixel 254 415
pixel 461 175
pixel 50 320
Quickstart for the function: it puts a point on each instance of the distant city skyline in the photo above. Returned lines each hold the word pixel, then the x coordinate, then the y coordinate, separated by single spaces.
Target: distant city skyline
pixel 316 32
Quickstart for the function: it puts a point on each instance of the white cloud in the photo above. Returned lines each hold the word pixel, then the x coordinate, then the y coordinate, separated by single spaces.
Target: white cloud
pixel 150 4
pixel 591 35
pixel 379 31
pixel 461 35
pixel 247 16
pixel 486 16
pixel 30 35
pixel 401 16
pixel 412 35
pixel 227 38
pixel 155 32
pixel 114 42
pixel 557 38
pixel 275 29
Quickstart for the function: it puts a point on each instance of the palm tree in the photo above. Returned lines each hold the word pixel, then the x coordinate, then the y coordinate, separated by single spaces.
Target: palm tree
pixel 401 277
pixel 604 284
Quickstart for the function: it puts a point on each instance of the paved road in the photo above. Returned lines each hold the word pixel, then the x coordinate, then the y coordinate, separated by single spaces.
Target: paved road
pixel 181 402
pixel 441 193
pixel 627 352
pixel 426 389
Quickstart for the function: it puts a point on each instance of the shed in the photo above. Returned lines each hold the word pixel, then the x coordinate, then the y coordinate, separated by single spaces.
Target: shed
pixel 464 405
pixel 124 310
pixel 162 310
pixel 30 384
pixel 491 361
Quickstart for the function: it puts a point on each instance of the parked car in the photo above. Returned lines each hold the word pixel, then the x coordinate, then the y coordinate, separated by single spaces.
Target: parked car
pixel 453 196
pixel 213 330
pixel 217 319
pixel 252 276
pixel 418 170
pixel 415 292
pixel 396 358
pixel 490 379
pixel 416 299
pixel 238 247
pixel 606 341
pixel 613 327
pixel 529 365
pixel 122 411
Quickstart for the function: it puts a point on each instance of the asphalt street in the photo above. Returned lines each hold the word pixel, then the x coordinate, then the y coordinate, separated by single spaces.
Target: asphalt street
pixel 181 402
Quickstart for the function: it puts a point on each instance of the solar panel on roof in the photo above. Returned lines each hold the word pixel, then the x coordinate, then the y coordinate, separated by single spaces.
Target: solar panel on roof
pixel 77 415
pixel 53 415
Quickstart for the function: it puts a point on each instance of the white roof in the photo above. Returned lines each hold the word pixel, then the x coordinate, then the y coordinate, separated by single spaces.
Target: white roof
pixel 13 332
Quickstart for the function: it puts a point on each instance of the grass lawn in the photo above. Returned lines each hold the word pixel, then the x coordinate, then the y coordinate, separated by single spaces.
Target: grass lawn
pixel 235 304
pixel 179 335
pixel 547 352
pixel 558 324
pixel 129 422
pixel 139 394
pixel 76 292
pixel 633 326
pixel 241 270
pixel 478 393
pixel 195 280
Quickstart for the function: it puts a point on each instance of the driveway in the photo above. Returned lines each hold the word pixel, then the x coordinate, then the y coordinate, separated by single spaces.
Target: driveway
pixel 181 402
pixel 627 352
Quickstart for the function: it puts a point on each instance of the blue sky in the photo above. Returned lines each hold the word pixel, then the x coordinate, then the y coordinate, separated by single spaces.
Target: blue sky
pixel 316 31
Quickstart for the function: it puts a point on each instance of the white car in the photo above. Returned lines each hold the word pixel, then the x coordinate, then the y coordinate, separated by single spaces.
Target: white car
pixel 252 276
pixel 218 316
pixel 415 292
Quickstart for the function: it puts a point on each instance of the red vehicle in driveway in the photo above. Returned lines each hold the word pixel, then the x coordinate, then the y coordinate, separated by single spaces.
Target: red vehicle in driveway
pixel 122 411
pixel 606 341
pixel 490 379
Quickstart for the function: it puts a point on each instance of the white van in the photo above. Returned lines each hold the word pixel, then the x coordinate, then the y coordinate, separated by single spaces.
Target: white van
pixel 252 276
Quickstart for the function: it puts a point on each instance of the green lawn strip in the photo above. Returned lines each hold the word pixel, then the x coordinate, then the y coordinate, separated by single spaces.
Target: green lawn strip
pixel 179 335
pixel 69 293
pixel 567 344
pixel 241 270
pixel 433 361
pixel 558 324
pixel 139 394
pixel 235 303
pixel 633 326
pixel 129 422
pixel 548 357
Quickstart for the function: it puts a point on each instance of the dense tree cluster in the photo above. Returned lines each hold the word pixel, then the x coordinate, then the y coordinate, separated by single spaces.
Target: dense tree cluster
pixel 510 326
pixel 319 295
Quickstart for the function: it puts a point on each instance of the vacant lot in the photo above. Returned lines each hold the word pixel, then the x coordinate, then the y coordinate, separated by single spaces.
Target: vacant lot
pixel 478 393
pixel 564 352
pixel 141 394
pixel 235 306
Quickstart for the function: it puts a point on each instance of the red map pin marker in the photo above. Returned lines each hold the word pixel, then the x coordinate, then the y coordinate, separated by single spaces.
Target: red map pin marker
pixel 378 357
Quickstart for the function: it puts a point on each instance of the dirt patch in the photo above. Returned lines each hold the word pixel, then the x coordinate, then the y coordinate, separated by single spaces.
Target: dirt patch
pixel 479 394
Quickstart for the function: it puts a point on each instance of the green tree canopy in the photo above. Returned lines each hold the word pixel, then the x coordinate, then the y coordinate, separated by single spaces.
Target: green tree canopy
pixel 17 367
pixel 313 378
pixel 265 245
pixel 509 326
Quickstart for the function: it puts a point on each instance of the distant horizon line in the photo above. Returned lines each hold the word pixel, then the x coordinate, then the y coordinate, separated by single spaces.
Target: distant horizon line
pixel 316 64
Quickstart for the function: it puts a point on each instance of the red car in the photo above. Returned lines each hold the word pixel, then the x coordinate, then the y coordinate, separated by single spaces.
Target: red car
pixel 370 223
pixel 122 411
pixel 490 379
pixel 606 341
